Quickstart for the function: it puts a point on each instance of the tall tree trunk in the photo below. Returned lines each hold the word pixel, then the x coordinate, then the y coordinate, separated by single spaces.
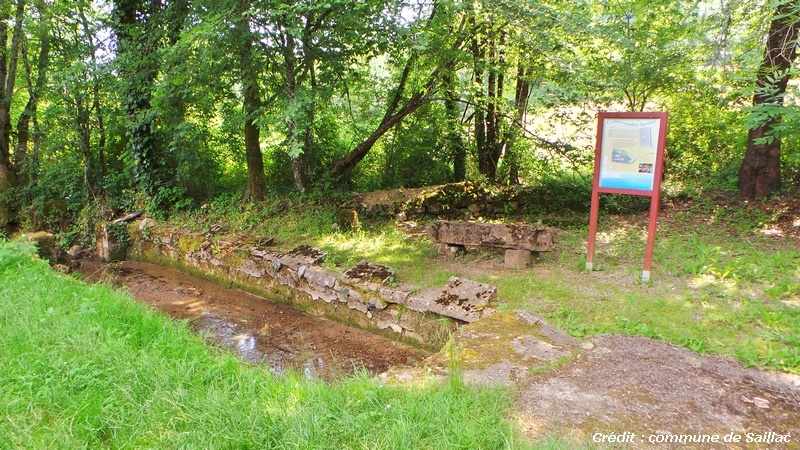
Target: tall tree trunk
pixel 138 51
pixel 311 108
pixel 256 181
pixel 8 62
pixel 93 177
pixel 521 94
pixel 493 146
pixel 454 138
pixel 760 173
pixel 9 78
pixel 296 150
pixel 489 168
pixel 478 57
pixel 251 104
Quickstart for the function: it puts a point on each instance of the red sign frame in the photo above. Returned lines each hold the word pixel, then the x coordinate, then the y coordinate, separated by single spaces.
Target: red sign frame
pixel 601 184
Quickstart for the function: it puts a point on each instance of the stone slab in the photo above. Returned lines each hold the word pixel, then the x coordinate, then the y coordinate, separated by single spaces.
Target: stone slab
pixel 368 275
pixel 463 299
pixel 303 255
pixel 517 259
pixel 508 236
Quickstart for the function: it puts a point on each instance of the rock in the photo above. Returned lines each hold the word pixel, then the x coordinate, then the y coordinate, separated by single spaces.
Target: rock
pixel 421 302
pixel 147 223
pixel 508 236
pixel 507 347
pixel 75 252
pixel 368 275
pixel 45 243
pixel 761 402
pixel 550 332
pixel 348 220
pixel 303 255
pixel 473 208
pixel 517 259
pixel 357 305
pixel 452 250
pixel 112 242
pixel 463 299
pixel 391 295
pixel 250 267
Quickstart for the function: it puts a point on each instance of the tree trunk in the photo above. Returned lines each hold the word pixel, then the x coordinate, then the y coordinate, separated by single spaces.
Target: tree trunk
pixel 760 173
pixel 256 182
pixel 454 138
pixel 311 109
pixel 492 149
pixel 291 87
pixel 8 66
pixel 478 56
pixel 9 79
pixel 521 94
pixel 138 50
pixel 345 166
pixel 251 104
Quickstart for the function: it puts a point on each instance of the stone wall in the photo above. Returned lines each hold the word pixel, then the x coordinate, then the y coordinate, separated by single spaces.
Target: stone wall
pixel 364 296
pixel 461 201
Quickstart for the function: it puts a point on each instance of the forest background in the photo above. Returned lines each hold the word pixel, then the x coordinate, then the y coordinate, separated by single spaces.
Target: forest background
pixel 107 107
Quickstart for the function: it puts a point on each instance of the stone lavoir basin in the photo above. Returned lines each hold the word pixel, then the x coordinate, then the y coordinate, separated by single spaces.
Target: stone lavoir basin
pixel 260 331
pixel 304 316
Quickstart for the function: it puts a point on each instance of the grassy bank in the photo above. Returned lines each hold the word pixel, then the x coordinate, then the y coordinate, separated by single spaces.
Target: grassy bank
pixel 726 279
pixel 87 367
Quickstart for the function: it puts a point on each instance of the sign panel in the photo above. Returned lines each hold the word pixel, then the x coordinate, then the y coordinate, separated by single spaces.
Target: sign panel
pixel 628 153
pixel 629 159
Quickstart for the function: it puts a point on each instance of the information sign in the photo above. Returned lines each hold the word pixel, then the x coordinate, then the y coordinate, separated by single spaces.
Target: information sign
pixel 629 159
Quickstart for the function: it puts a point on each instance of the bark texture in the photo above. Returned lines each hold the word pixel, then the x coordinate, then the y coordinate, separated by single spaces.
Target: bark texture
pixel 760 173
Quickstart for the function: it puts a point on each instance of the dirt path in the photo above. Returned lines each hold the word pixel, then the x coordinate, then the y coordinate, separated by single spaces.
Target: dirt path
pixel 261 331
pixel 660 394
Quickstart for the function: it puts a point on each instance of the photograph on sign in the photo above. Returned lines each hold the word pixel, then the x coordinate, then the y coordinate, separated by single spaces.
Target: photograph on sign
pixel 628 153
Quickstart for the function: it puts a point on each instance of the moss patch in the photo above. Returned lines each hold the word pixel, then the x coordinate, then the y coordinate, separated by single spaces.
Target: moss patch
pixel 190 243
pixel 505 336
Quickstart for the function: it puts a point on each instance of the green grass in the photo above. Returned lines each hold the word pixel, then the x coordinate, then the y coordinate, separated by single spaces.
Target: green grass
pixel 87 367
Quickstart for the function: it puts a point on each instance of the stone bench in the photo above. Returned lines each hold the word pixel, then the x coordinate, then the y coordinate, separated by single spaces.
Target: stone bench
pixel 518 240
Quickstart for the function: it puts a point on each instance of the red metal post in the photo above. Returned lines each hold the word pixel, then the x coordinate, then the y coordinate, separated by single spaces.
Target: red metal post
pixel 593 218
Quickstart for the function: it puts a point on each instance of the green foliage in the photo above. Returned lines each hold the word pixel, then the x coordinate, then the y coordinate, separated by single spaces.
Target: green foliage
pixel 56 195
pixel 113 355
pixel 119 231
pixel 414 155
pixel 706 140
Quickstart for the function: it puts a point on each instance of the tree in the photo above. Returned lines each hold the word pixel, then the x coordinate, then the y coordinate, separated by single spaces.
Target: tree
pixel 760 172
pixel 437 42
pixel 140 33
pixel 8 73
pixel 245 41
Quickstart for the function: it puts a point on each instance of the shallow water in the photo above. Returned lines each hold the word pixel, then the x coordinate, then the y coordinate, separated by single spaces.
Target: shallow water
pixel 260 331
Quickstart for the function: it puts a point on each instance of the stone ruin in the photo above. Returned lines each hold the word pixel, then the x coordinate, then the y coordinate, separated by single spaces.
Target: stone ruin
pixel 518 240
pixel 466 200
pixel 365 295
